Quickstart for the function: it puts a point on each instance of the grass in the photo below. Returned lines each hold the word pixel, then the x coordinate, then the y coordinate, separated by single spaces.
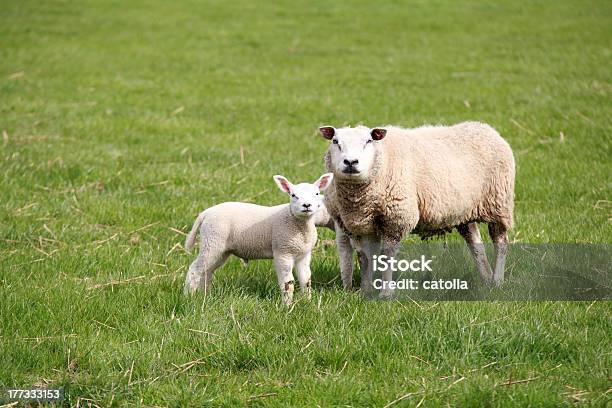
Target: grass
pixel 122 120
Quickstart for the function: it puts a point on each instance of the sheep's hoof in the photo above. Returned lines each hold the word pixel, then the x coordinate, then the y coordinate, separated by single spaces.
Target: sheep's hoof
pixel 366 289
pixel 385 294
pixel 487 279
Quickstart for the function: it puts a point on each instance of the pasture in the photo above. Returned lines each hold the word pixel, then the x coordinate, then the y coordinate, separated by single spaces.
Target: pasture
pixel 122 120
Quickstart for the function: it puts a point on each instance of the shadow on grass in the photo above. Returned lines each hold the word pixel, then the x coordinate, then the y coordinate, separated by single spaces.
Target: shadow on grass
pixel 258 278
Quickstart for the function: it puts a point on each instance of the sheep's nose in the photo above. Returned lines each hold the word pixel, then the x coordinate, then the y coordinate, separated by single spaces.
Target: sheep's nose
pixel 350 163
pixel 307 206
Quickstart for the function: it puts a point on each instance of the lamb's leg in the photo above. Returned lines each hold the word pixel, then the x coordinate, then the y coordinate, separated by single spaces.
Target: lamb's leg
pixel 194 275
pixel 499 236
pixel 199 276
pixel 471 234
pixel 389 248
pixel 283 266
pixel 304 275
pixel 345 253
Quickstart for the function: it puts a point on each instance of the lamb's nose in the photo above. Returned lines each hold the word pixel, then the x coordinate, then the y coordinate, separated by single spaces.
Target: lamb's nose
pixel 307 206
pixel 350 163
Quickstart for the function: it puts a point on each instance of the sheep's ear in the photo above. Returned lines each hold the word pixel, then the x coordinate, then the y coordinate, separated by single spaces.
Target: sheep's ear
pixel 328 132
pixel 283 184
pixel 324 181
pixel 378 133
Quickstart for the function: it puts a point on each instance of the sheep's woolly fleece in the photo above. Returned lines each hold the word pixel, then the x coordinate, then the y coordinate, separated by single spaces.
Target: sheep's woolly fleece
pixel 428 180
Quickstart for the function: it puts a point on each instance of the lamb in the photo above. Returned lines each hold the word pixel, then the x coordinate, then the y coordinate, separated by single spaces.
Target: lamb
pixel 285 233
pixel 390 181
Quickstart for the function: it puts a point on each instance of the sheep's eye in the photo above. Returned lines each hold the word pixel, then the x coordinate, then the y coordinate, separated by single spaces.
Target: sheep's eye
pixel 335 141
pixel 369 141
pixel 293 196
pixel 316 193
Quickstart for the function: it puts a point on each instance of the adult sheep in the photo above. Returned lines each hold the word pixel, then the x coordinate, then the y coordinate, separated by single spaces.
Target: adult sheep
pixel 390 181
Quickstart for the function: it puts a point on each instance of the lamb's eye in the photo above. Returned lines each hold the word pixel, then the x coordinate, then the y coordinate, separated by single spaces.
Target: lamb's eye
pixel 369 141
pixel 316 193
pixel 335 141
pixel 293 196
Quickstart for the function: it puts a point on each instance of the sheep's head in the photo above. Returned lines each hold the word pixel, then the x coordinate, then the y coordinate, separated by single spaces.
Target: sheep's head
pixel 305 198
pixel 352 151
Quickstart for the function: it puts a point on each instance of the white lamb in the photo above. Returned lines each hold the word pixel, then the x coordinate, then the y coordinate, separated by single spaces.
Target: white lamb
pixel 389 182
pixel 286 233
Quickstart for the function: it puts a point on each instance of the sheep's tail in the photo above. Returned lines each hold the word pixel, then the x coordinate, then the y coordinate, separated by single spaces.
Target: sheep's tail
pixel 190 240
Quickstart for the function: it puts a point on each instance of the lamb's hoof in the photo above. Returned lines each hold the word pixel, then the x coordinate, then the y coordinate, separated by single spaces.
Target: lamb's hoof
pixel 190 290
pixel 287 299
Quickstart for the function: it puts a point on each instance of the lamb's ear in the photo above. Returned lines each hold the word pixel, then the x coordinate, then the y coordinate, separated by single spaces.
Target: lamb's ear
pixel 328 132
pixel 324 181
pixel 378 133
pixel 283 184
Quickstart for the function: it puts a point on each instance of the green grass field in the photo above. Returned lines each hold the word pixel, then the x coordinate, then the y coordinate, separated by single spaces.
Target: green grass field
pixel 122 120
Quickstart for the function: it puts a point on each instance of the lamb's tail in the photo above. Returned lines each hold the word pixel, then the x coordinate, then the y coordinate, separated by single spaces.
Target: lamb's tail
pixel 190 240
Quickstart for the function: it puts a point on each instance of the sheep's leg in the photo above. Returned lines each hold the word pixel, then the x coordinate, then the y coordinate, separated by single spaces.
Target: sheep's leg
pixel 363 265
pixel 499 236
pixel 345 253
pixel 199 276
pixel 471 234
pixel 368 247
pixel 365 268
pixel 304 275
pixel 388 248
pixel 357 243
pixel 283 266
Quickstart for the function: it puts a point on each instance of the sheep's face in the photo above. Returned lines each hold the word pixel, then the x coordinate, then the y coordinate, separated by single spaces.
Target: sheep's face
pixel 305 199
pixel 352 150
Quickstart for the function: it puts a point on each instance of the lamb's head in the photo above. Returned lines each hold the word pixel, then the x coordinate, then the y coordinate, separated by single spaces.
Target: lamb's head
pixel 352 151
pixel 305 198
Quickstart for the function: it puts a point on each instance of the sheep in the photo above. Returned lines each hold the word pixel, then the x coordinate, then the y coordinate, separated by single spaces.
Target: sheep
pixel 286 233
pixel 323 219
pixel 389 182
